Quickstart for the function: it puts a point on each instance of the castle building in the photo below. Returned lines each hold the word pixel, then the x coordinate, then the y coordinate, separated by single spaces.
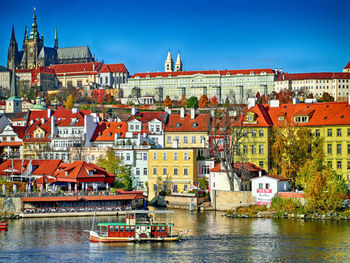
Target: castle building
pixel 34 53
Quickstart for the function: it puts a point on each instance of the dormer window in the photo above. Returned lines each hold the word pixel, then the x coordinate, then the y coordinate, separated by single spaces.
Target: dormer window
pixel 178 125
pixel 301 119
pixel 250 118
pixel 252 73
pixel 280 118
pixel 195 124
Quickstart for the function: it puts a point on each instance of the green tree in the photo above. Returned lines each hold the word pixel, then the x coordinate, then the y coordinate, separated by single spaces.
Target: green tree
pixel 114 165
pixel 70 102
pixel 192 102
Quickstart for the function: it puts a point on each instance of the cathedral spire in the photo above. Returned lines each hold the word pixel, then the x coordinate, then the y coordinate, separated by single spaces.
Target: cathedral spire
pixel 13 36
pixel 34 34
pixel 12 51
pixel 169 63
pixel 178 65
pixel 56 39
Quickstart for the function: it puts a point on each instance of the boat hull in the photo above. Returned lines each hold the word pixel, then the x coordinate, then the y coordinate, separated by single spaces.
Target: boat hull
pixel 94 237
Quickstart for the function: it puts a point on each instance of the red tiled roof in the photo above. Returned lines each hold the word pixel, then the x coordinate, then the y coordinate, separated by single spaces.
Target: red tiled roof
pixel 204 72
pixel 39 167
pixel 20 131
pixel 348 65
pixel 313 75
pixel 325 113
pixel 77 68
pixel 149 116
pixel 247 166
pixel 105 131
pixel 113 68
pixel 200 123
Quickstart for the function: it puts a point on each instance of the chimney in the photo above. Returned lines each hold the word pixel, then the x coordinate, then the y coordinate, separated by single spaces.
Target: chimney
pixel 93 66
pixel 274 103
pixel 193 114
pixel 182 112
pixel 42 120
pixel 74 110
pixel 48 113
pixel 260 173
pixel 133 110
pixel 53 123
pixel 281 70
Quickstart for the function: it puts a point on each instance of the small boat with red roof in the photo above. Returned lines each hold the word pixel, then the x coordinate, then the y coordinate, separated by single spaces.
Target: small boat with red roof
pixel 3 225
pixel 139 225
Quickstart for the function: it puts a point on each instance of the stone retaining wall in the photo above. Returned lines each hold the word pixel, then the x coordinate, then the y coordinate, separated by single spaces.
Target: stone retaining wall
pixel 227 200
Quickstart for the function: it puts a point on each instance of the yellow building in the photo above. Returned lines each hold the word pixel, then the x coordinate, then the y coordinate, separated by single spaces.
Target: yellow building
pixel 171 170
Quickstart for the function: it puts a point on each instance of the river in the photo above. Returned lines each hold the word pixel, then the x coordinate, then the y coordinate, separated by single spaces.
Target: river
pixel 212 238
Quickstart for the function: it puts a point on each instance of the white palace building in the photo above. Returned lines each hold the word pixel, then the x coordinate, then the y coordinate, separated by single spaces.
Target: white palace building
pixel 174 82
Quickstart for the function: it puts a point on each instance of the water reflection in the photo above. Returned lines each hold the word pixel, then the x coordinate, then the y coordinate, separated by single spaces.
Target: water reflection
pixel 212 238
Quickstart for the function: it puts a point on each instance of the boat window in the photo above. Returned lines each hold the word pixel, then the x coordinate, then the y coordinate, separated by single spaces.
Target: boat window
pixel 164 228
pixel 126 229
pixel 153 229
pixel 121 229
pixel 132 229
pixel 159 229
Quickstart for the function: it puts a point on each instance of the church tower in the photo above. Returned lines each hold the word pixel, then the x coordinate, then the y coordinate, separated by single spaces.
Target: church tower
pixel 178 65
pixel 12 55
pixel 13 104
pixel 169 63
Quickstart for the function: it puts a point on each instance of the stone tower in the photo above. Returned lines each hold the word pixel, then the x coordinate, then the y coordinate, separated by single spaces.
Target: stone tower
pixel 169 63
pixel 178 65
pixel 12 56
pixel 56 39
pixel 13 104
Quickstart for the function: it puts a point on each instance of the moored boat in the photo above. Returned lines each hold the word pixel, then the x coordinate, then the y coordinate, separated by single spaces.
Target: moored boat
pixel 3 225
pixel 140 225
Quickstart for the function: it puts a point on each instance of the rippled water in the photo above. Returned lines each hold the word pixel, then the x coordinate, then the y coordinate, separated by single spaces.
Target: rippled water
pixel 212 238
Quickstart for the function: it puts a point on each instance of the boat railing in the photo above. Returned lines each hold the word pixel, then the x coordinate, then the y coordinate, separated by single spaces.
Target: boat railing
pixel 76 209
pixel 57 194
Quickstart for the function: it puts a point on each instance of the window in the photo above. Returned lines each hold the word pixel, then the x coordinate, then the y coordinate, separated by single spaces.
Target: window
pixel 165 171
pixel 168 139
pixel 267 186
pixel 177 138
pixel 318 133
pixel 261 164
pixel 261 133
pixel 137 171
pixel 338 132
pixel 155 171
pixel 131 127
pixel 186 156
pixel 128 156
pixel 165 156
pixel 176 156
pixel 154 156
pixel 338 148
pixel 329 132
pixel 253 149
pixel 92 157
pixel 348 131
pixel 349 149
pixel 329 164
pixel 254 133
pixel 329 148
pixel 176 171
pixel 245 149
pixel 261 186
pixel 185 139
pixel 145 156
pixel 339 164
pixel 261 149
pixel 185 171
pixel 144 171
pixel 194 139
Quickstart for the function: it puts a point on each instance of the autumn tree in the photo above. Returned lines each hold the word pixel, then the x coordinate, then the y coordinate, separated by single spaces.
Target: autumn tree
pixel 183 101
pixel 291 147
pixel 167 102
pixel 214 102
pixel 203 101
pixel 69 102
pixel 326 97
pixel 227 136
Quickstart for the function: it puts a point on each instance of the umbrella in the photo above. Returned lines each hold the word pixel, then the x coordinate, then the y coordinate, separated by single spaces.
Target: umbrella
pixel 41 188
pixel 69 187
pixel 76 188
pixel 107 186
pixel 86 187
pixel 14 188
pixel 3 189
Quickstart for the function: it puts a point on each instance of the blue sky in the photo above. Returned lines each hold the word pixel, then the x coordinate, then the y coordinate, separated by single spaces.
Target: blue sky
pixel 298 36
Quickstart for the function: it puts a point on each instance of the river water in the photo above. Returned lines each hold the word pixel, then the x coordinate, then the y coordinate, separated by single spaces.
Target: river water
pixel 212 238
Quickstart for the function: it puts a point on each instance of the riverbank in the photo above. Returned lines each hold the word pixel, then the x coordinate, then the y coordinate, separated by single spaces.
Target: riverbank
pixel 263 212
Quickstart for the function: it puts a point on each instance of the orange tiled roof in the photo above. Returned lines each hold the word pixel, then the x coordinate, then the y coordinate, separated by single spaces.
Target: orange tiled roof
pixel 313 75
pixel 113 68
pixel 77 68
pixel 105 131
pixel 176 124
pixel 204 72
pixel 39 167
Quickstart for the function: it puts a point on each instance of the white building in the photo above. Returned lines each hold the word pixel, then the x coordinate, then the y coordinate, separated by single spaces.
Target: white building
pixel 267 186
pixel 219 83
